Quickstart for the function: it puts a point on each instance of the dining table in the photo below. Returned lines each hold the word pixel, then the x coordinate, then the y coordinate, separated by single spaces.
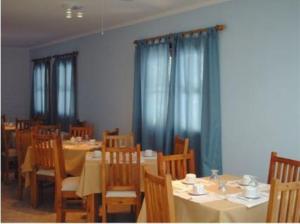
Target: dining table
pixel 226 204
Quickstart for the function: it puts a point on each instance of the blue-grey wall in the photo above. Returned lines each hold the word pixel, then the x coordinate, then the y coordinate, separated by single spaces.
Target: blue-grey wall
pixel 15 82
pixel 260 76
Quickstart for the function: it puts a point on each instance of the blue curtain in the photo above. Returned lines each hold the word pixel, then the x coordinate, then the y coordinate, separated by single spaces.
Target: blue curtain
pixel 40 91
pixel 177 92
pixel 197 97
pixel 64 108
pixel 151 93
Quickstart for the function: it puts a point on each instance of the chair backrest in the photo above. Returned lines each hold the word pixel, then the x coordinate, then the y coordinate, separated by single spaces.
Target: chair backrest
pixel 110 133
pixel 284 202
pixel 46 129
pixel 59 162
pixel 38 120
pixel 159 198
pixel 121 169
pixel 181 145
pixel 4 138
pixel 177 165
pixel 43 149
pixel 3 118
pixel 284 169
pixel 76 131
pixel 107 133
pixel 23 124
pixel 23 141
pixel 118 141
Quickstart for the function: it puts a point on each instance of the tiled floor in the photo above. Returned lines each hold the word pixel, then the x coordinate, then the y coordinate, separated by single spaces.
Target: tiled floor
pixel 13 210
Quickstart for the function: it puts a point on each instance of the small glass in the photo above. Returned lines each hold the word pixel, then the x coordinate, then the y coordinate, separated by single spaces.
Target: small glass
pixel 253 181
pixel 86 137
pixel 222 185
pixel 214 175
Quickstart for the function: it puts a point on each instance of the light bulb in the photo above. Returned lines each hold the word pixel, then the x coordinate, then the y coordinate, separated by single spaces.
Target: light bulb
pixel 69 15
pixel 79 14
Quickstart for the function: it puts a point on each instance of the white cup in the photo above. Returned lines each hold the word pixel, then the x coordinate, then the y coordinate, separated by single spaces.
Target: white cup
pixel 92 141
pixel 251 192
pixel 148 152
pixel 246 179
pixel 198 188
pixel 97 153
pixel 72 139
pixel 78 139
pixel 190 177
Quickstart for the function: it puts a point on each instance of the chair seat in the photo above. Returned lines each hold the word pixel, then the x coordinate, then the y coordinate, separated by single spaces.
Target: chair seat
pixel 70 184
pixel 121 194
pixel 11 152
pixel 44 172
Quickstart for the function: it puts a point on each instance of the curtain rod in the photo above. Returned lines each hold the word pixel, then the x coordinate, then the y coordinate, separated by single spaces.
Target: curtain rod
pixel 42 59
pixel 56 56
pixel 219 27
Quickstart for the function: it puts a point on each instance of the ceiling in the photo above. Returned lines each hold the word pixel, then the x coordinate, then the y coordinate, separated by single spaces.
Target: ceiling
pixel 31 23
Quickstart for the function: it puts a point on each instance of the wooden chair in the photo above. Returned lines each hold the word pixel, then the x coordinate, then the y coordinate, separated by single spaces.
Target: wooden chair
pixel 284 202
pixel 159 198
pixel 81 131
pixel 65 187
pixel 23 141
pixel 42 153
pixel 23 124
pixel 120 175
pixel 284 169
pixel 177 165
pixel 8 154
pixel 118 141
pixel 181 146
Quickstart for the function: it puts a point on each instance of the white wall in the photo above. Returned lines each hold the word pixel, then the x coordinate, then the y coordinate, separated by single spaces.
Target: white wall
pixel 15 82
pixel 260 76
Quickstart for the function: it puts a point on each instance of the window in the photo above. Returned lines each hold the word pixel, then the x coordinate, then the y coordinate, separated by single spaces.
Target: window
pixel 40 87
pixel 64 88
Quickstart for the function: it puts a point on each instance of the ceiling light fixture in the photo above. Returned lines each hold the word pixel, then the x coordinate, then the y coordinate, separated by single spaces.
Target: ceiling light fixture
pixel 71 8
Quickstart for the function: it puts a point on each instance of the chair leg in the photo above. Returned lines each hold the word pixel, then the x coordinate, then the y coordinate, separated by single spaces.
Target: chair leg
pixel 6 170
pixel 20 187
pixel 104 213
pixel 60 213
pixel 34 190
pixel 137 208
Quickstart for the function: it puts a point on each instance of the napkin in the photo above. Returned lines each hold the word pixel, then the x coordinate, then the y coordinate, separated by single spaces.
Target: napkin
pixel 249 203
pixel 200 198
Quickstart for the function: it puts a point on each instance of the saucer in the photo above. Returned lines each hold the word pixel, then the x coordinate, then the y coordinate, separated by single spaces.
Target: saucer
pixel 257 196
pixel 189 183
pixel 191 192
